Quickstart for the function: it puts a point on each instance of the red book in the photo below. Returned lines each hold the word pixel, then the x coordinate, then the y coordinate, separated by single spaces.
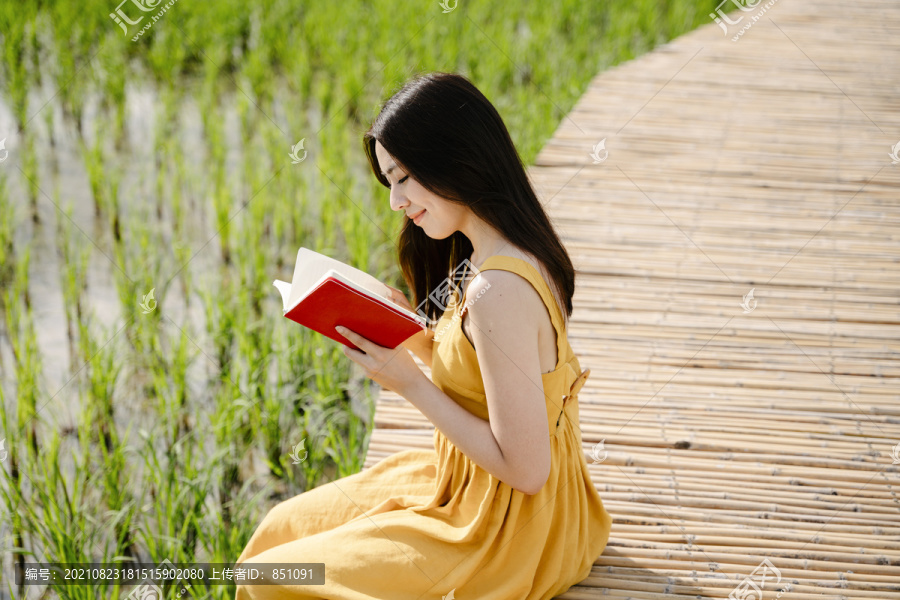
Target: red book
pixel 325 293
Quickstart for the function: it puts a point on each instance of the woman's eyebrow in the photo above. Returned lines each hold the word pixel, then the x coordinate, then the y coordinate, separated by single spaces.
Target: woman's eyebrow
pixel 390 168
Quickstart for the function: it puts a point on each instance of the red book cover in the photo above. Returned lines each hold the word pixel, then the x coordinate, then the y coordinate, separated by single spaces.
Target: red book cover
pixel 325 293
pixel 333 302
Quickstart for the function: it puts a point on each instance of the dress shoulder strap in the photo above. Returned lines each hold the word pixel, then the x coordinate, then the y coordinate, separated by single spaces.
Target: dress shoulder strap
pixel 526 270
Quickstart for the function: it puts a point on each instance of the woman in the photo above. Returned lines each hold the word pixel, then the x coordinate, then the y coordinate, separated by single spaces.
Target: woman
pixel 503 508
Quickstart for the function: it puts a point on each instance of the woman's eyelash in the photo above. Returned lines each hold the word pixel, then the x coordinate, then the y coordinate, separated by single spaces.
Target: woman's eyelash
pixel 402 180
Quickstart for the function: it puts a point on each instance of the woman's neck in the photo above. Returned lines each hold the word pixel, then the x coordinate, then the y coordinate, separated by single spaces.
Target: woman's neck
pixel 486 241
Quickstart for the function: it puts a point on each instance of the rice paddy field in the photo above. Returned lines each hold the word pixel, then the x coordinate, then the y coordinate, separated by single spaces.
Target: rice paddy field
pixel 155 403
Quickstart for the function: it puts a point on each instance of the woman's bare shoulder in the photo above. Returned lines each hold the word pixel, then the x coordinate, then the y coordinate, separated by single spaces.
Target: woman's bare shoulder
pixel 534 262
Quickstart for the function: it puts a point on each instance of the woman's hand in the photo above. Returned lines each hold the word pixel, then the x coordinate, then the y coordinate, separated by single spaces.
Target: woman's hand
pixel 418 343
pixel 392 369
pixel 399 298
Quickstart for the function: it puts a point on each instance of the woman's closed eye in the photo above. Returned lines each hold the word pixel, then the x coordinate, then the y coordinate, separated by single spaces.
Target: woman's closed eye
pixel 402 180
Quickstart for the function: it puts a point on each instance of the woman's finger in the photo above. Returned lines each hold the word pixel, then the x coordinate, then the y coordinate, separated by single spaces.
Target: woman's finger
pixel 356 355
pixel 399 298
pixel 358 340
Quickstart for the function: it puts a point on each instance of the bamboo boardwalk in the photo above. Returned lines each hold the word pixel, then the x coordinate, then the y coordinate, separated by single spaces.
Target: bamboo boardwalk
pixel 732 438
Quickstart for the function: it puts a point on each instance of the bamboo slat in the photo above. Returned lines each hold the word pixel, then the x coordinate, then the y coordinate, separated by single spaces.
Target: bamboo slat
pixel 731 438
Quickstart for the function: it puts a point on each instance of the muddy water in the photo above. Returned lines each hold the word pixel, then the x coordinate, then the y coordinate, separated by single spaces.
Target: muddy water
pixel 61 167
pixel 63 180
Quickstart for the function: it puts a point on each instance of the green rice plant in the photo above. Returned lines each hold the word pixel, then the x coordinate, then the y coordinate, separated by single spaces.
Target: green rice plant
pixel 170 388
pixel 230 416
pixel 225 532
pixel 221 316
pixel 167 53
pixel 177 484
pixel 331 369
pixel 8 219
pixel 73 276
pixel 111 183
pixel 299 70
pixel 278 431
pixel 251 359
pixel 163 146
pixel 347 438
pixel 73 42
pixel 31 174
pixel 18 25
pixel 11 487
pixel 329 215
pixel 272 430
pixel 93 163
pixel 256 63
pixel 169 102
pixel 223 206
pixel 315 433
pixel 174 491
pixel 181 235
pixel 111 78
pixel 27 369
pixel 102 371
pixel 213 125
pixel 121 504
pixel 56 512
pixel 98 426
pixel 294 348
pixel 138 271
pixel 26 355
pixel 248 117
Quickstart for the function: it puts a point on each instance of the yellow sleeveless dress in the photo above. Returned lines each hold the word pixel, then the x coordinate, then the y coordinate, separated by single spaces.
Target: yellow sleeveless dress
pixel 433 525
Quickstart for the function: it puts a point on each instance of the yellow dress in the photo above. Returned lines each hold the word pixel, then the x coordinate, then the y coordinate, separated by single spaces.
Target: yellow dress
pixel 421 524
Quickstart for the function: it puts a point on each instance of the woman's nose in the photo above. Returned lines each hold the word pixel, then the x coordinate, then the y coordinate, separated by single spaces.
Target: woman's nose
pixel 398 200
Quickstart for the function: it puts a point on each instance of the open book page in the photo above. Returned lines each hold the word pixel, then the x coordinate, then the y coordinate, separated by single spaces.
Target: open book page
pixel 312 266
pixel 284 288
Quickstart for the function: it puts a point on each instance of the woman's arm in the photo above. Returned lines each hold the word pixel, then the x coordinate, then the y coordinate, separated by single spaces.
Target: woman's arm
pixel 396 370
pixel 421 345
pixel 472 435
pixel 514 446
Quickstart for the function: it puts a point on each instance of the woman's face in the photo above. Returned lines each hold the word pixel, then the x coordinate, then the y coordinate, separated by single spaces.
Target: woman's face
pixel 437 217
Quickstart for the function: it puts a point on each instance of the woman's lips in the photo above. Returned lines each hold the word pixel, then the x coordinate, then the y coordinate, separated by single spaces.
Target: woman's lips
pixel 418 217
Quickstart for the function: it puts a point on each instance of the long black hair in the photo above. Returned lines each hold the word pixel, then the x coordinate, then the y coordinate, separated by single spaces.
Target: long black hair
pixel 445 134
